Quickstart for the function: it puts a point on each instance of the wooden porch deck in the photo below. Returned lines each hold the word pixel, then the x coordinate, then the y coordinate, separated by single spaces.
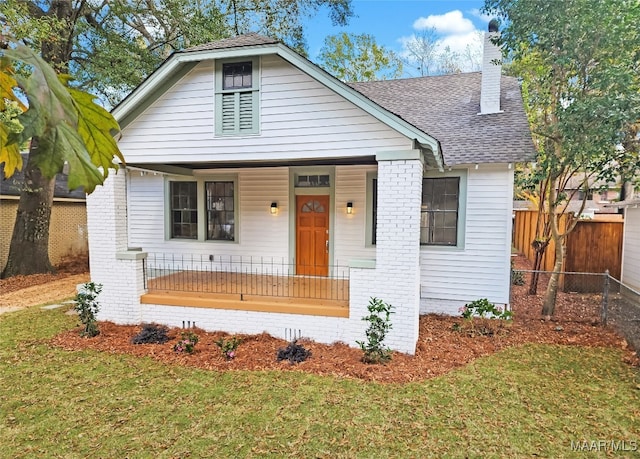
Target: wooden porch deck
pixel 308 295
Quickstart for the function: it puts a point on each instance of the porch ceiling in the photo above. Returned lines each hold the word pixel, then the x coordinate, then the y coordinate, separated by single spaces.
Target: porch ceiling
pixel 177 167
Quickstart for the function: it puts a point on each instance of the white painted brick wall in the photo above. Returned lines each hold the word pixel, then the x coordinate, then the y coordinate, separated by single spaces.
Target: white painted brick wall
pixel 491 73
pixel 396 276
pixel 122 280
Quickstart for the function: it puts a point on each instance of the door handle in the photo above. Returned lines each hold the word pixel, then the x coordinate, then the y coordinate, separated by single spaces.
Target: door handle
pixel 326 244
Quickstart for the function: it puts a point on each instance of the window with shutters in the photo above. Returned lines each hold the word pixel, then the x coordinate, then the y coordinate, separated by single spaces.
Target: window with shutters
pixel 237 101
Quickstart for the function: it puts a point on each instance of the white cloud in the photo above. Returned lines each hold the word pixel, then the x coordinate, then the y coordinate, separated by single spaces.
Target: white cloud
pixel 483 17
pixel 448 34
pixel 449 23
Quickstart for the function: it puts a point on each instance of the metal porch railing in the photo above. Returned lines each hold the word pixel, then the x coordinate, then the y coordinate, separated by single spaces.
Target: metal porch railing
pixel 242 275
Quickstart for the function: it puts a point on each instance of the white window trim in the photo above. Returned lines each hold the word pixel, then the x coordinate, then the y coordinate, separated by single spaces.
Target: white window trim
pixel 201 206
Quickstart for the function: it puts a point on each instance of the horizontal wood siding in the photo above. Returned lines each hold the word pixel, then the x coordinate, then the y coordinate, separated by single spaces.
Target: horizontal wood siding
pixel 260 233
pixel 481 268
pixel 631 257
pixel 351 186
pixel 299 118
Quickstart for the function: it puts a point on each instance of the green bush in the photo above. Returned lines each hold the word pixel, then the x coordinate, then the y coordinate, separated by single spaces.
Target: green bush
pixel 187 343
pixel 479 317
pixel 87 307
pixel 229 346
pixel 379 325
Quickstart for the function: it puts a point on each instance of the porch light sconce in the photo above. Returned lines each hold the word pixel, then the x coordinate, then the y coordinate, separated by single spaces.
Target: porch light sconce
pixel 274 208
pixel 349 207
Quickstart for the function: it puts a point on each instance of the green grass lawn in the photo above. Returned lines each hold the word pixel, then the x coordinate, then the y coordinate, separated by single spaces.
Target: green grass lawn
pixel 525 401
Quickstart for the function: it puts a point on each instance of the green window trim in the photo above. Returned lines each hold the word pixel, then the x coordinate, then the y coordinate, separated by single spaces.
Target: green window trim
pixel 461 175
pixel 237 109
pixel 228 230
pixel 370 223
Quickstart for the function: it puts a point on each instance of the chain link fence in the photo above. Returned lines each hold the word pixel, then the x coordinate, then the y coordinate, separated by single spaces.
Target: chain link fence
pixel 595 298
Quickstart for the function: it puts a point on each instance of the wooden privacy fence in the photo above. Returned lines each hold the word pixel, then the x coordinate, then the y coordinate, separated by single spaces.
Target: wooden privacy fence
pixel 594 246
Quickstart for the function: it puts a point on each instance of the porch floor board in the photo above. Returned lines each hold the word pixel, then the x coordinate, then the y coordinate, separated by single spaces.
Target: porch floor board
pixel 319 296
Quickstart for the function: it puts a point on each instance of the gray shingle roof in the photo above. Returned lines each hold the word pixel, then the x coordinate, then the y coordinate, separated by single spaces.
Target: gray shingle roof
pixel 249 39
pixel 13 185
pixel 446 107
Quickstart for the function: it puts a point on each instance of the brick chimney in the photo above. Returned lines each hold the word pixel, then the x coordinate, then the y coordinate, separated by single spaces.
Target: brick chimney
pixel 491 72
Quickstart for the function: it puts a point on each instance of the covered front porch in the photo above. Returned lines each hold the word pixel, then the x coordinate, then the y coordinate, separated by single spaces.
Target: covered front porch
pixel 244 283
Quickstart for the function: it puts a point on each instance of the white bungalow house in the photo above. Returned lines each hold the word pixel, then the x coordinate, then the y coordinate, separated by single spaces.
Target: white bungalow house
pixel 262 194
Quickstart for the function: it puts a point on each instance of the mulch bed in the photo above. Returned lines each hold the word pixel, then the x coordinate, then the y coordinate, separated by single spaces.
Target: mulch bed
pixel 442 345
pixel 67 267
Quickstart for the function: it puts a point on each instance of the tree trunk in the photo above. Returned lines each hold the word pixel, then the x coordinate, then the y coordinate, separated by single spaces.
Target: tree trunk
pixel 29 250
pixel 549 306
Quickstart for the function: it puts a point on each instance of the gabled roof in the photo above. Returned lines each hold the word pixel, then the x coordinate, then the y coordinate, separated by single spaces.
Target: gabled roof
pixel 447 108
pixel 439 113
pixel 249 39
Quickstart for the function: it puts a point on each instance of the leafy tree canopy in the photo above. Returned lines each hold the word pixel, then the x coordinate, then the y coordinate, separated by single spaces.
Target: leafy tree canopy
pixel 352 57
pixel 109 47
pixel 579 61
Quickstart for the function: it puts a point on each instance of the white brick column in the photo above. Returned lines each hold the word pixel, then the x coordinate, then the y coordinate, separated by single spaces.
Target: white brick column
pixel 119 270
pixel 396 277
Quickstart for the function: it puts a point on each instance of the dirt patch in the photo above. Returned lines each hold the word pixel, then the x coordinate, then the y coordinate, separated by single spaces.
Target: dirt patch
pixel 444 344
pixel 58 287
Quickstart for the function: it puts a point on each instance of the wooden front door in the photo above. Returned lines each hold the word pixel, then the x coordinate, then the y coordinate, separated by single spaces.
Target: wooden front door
pixel 312 235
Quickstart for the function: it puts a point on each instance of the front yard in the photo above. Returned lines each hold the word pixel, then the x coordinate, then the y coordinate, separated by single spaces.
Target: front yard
pixel 525 400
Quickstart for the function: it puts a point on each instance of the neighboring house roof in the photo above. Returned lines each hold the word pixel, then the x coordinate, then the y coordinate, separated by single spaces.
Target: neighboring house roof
pixel 13 185
pixel 628 203
pixel 440 112
pixel 447 108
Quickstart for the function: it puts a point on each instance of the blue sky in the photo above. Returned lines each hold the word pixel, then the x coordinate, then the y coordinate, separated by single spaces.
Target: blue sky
pixel 392 22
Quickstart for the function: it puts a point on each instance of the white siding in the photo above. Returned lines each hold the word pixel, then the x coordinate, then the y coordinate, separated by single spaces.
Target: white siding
pixel 299 118
pixel 451 277
pixel 260 233
pixel 631 248
pixel 351 186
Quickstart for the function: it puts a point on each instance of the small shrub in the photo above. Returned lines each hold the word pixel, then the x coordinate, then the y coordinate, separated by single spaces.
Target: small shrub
pixel 294 353
pixel 151 334
pixel 484 309
pixel 187 343
pixel 479 316
pixel 87 307
pixel 229 346
pixel 379 325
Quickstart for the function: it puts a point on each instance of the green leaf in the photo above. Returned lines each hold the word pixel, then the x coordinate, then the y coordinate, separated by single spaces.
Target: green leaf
pixel 10 153
pixel 97 128
pixel 67 141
